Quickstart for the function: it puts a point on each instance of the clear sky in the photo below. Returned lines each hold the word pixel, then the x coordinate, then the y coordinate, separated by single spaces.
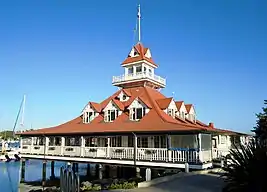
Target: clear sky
pixel 63 54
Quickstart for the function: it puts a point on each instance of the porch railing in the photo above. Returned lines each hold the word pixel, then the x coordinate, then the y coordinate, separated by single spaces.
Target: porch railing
pixel 124 153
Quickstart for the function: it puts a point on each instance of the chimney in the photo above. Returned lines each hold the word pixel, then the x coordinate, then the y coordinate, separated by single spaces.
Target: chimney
pixel 211 125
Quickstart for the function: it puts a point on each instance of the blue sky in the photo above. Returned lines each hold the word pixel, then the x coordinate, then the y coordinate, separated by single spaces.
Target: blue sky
pixel 63 54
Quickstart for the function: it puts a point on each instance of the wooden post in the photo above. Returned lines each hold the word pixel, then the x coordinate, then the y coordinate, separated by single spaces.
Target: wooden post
pixel 52 177
pixel 44 173
pixel 88 172
pixel 22 174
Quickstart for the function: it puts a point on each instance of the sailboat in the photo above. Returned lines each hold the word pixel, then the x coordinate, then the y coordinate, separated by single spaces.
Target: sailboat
pixel 11 148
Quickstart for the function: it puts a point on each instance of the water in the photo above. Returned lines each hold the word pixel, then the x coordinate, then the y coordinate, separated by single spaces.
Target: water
pixel 10 173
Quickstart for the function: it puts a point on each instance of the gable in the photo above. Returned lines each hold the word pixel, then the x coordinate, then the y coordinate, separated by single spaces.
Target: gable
pixel 182 108
pixel 137 103
pixel 148 54
pixel 133 53
pixel 122 96
pixel 172 105
pixel 111 106
pixel 88 108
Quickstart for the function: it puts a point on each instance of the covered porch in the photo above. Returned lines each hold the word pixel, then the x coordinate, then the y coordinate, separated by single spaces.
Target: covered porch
pixel 174 150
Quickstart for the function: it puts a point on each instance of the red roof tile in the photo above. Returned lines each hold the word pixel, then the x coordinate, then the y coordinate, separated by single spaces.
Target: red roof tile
pixel 188 107
pixel 179 104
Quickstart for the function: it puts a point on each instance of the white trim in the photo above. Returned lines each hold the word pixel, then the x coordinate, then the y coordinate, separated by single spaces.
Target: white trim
pixel 137 80
pixel 137 62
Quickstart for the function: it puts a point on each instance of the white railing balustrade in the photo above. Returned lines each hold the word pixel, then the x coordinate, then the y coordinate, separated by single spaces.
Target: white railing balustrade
pixel 152 154
pixel 95 152
pixel 139 75
pixel 72 151
pixel 184 156
pixel 53 150
pixel 121 152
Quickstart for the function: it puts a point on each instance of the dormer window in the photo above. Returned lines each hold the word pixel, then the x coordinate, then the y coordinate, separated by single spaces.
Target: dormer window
pixel 124 97
pixel 89 116
pixel 130 70
pixel 138 113
pixel 171 112
pixel 111 115
pixel 182 115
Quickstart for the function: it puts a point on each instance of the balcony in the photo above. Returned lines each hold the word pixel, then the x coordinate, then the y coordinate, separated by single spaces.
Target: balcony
pixel 117 80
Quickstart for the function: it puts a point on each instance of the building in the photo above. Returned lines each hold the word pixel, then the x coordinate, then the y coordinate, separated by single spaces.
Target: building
pixel 137 125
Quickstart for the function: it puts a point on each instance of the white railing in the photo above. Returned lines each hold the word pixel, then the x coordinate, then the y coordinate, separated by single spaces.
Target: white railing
pixel 152 154
pixel 121 152
pixel 124 153
pixel 184 155
pixel 138 75
pixel 100 152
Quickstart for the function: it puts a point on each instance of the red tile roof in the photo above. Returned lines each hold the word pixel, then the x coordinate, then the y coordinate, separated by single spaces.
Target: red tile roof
pixel 179 104
pixel 155 120
pixel 141 50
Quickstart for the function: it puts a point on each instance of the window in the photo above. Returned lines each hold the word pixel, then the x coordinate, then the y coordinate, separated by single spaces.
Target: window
pixel 73 141
pixel 130 141
pixel 171 112
pixel 142 142
pixel 111 115
pixel 182 115
pixel 116 141
pixel 54 141
pixel 138 113
pixel 130 70
pixel 88 117
pixel 124 97
pixel 156 141
pixel 138 69
pixel 145 70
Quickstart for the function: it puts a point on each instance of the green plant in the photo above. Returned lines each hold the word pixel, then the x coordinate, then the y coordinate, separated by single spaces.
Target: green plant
pixel 124 185
pixel 247 169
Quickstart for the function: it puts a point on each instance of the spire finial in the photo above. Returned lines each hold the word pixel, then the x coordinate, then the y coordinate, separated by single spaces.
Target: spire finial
pixel 139 23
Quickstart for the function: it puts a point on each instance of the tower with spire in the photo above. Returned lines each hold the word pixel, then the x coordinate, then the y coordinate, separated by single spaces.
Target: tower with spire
pixel 139 67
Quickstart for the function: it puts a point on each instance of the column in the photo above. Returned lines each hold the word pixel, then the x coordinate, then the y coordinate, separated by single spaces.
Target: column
pixel 148 174
pixel 44 173
pixel 108 147
pixel 52 177
pixel 100 171
pixel 82 146
pixel 46 145
pixel 22 173
pixel 62 146
pixel 200 148
pixel 134 70
pixel 138 172
pixel 135 149
pixel 32 142
pixel 168 143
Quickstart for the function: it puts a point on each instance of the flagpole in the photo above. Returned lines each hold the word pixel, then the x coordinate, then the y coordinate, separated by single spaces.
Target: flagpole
pixel 139 23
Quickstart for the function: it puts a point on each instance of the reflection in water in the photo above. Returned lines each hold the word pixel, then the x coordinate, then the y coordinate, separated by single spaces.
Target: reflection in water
pixel 10 173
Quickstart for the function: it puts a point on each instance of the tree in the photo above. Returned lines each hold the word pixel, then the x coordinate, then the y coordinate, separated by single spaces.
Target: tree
pixel 261 126
pixel 248 164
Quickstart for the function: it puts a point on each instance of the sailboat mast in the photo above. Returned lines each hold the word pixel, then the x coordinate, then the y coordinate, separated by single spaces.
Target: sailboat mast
pixel 17 118
pixel 23 110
